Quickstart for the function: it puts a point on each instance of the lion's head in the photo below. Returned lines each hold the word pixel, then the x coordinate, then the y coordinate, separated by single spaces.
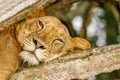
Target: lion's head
pixel 45 38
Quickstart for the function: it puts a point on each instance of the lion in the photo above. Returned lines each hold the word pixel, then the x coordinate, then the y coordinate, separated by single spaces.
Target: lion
pixel 33 41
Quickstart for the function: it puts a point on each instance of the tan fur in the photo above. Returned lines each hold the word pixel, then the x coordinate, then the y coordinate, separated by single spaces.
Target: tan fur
pixel 36 40
pixel 9 49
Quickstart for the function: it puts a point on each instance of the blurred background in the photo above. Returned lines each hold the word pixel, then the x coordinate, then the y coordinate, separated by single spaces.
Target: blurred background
pixel 96 20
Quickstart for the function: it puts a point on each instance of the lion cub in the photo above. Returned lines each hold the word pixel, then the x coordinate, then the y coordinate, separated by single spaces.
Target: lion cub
pixel 36 40
pixel 43 39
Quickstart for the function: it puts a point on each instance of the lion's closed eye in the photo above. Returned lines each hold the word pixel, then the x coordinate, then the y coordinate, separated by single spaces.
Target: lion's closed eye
pixel 57 45
pixel 40 24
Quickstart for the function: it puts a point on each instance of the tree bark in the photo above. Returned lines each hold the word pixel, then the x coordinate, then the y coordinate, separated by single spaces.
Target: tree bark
pixel 12 11
pixel 80 65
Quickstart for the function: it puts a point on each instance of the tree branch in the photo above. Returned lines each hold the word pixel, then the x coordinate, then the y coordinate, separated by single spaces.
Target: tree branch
pixel 12 11
pixel 80 65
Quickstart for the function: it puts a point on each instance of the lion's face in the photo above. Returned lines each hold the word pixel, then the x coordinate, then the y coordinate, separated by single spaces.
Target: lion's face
pixel 45 38
pixel 42 39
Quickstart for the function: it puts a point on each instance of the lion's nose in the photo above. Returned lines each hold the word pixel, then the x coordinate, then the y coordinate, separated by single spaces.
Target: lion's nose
pixel 38 45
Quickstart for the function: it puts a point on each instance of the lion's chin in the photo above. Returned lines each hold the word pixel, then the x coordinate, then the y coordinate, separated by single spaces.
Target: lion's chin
pixel 29 58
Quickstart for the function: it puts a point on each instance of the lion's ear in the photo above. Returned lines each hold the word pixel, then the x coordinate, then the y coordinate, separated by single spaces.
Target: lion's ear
pixel 77 43
pixel 36 13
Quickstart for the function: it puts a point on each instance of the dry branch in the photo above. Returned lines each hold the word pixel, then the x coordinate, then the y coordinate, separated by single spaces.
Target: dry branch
pixel 80 65
pixel 13 11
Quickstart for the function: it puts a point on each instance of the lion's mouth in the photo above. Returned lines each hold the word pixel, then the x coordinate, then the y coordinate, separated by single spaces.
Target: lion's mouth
pixel 39 51
pixel 34 57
